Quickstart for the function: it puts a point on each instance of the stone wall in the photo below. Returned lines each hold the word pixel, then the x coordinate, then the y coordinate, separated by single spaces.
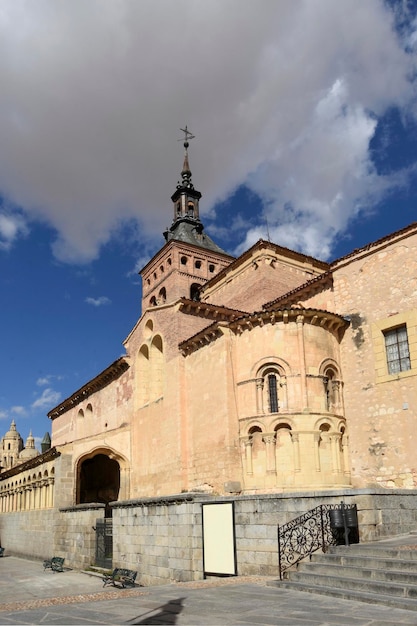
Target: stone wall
pixel 75 536
pixel 29 534
pixel 42 534
pixel 162 538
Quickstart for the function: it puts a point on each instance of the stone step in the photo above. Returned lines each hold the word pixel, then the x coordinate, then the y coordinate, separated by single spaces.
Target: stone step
pixel 327 568
pixel 377 550
pixel 361 561
pixel 391 588
pixel 349 594
pixel 366 572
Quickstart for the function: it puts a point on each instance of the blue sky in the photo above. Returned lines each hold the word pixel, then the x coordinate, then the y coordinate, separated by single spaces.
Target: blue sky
pixel 310 127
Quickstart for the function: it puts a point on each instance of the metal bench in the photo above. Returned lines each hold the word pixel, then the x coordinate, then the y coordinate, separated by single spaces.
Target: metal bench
pixel 56 564
pixel 120 577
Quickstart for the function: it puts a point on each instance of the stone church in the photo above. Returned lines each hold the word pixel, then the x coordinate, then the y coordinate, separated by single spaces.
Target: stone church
pixel 267 379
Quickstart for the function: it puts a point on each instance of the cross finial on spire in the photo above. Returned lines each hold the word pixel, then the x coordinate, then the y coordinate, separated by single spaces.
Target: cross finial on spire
pixel 187 136
pixel 186 172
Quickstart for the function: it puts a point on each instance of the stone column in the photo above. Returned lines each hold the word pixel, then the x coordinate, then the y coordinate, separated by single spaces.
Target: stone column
pixel 248 442
pixel 295 437
pixel 317 437
pixel 259 396
pixel 270 444
pixel 345 453
pixel 302 361
pixel 336 393
pixel 51 488
pixel 334 444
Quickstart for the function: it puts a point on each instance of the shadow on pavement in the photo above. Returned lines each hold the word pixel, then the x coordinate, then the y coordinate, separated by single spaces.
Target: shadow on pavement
pixel 165 614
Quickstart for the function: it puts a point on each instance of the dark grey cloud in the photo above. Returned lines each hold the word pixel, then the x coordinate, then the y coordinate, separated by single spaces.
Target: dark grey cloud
pixel 282 95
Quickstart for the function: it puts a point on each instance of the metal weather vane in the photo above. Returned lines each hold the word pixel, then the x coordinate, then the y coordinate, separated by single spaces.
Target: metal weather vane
pixel 187 136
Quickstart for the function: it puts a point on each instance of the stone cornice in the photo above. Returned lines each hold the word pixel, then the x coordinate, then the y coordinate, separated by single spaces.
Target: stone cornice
pixel 49 455
pixel 209 311
pixel 107 376
pixel 180 498
pixel 372 247
pixel 330 321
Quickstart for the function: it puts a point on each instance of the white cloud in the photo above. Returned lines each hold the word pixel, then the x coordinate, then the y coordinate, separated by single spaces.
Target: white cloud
pixel 101 301
pixel 19 410
pixel 47 400
pixel 12 225
pixel 43 381
pixel 283 95
pixel 3 414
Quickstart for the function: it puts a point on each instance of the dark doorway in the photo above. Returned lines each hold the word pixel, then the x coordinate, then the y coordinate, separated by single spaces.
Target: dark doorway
pixel 99 480
pixel 104 542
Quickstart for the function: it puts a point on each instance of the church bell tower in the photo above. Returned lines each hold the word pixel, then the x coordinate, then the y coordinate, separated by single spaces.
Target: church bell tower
pixel 189 257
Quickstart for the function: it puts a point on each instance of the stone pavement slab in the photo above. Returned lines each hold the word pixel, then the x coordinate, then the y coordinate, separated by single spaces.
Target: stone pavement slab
pixel 30 596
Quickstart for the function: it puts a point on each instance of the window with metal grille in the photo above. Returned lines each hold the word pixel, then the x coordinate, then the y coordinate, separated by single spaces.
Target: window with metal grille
pixel 396 346
pixel 273 393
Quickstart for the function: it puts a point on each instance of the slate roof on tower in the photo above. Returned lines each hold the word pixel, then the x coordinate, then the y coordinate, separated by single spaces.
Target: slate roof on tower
pixel 186 225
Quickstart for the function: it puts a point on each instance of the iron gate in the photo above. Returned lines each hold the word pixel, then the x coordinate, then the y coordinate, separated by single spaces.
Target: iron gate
pixel 104 542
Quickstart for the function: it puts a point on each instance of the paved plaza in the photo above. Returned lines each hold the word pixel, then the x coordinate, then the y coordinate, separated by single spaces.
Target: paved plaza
pixel 28 595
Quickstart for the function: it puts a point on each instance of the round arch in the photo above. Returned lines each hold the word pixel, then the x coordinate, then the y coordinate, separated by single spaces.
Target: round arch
pixel 99 477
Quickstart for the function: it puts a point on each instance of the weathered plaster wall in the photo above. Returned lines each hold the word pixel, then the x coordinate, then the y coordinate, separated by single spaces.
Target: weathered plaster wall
pixel 379 292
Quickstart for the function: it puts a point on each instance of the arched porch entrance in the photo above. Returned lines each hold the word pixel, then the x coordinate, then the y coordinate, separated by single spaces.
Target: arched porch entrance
pixel 100 478
pixel 98 481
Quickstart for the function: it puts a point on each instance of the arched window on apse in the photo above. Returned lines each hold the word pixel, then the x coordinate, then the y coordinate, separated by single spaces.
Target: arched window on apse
pixel 331 384
pixel 255 436
pixel 325 455
pixel 271 389
pixel 284 452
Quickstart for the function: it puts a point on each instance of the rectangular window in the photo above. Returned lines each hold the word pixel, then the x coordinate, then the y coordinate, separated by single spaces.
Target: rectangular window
pixel 396 346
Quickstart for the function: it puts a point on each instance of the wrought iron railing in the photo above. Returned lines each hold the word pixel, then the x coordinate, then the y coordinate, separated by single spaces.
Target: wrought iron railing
pixel 312 531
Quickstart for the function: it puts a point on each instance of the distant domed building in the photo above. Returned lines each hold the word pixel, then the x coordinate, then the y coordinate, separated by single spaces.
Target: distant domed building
pixel 29 451
pixel 13 450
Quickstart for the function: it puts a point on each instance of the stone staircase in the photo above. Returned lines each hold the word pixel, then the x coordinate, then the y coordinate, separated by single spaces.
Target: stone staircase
pixel 380 573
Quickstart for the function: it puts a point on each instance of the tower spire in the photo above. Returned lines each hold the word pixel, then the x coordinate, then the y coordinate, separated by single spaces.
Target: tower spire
pixel 186 172
pixel 186 225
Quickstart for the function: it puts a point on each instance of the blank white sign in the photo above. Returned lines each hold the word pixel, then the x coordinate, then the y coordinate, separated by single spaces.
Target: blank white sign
pixel 219 539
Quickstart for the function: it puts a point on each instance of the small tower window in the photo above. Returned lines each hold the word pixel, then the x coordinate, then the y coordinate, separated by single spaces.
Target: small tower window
pixel 152 301
pixel 198 264
pixel 211 268
pixel 191 209
pixel 162 296
pixel 184 260
pixel 178 208
pixel 195 292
